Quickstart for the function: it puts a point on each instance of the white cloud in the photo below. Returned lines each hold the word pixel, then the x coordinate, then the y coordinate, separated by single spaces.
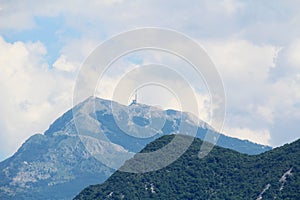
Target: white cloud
pixel 243 60
pixel 161 89
pixel 245 69
pixel 62 64
pixel 257 100
pixel 32 94
pixel 20 16
pixel 265 112
pixel 232 6
pixel 157 93
pixel 109 16
pixel 258 136
pixel 226 7
pixel 293 54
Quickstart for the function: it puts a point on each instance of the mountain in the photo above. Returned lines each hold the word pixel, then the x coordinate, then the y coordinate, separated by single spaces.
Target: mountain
pixel 62 161
pixel 49 168
pixel 222 174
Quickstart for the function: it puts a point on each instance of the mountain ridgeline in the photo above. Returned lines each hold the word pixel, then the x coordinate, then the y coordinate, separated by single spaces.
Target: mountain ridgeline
pixel 59 163
pixel 222 174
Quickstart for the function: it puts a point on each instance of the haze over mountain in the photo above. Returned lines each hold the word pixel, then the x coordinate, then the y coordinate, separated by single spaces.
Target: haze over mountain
pixel 60 163
pixel 223 174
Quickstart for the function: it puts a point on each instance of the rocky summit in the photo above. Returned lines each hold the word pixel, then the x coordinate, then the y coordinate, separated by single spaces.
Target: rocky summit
pixel 61 162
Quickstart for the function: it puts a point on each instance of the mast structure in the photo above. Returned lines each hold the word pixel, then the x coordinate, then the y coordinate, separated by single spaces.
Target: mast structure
pixel 134 101
pixel 136 96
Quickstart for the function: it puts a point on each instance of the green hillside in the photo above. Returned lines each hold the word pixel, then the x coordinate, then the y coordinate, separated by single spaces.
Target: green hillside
pixel 223 174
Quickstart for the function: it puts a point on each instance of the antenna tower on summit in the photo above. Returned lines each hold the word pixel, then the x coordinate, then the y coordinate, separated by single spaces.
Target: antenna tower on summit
pixel 134 101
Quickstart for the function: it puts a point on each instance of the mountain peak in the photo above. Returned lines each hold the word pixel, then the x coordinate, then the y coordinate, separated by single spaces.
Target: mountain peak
pixel 89 142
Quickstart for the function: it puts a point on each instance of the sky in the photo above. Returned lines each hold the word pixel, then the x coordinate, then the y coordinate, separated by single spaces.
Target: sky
pixel 255 46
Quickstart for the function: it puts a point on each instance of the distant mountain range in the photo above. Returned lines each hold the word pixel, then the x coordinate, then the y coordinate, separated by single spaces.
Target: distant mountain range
pixel 222 174
pixel 60 163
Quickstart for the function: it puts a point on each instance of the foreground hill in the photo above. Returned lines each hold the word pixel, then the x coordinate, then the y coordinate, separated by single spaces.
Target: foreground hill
pixel 223 174
pixel 58 164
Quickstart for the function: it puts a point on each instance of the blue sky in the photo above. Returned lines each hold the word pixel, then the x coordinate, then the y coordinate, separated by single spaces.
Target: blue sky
pixel 254 44
pixel 50 31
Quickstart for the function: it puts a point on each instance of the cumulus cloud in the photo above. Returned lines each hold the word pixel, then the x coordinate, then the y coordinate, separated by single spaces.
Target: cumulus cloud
pixel 105 13
pixel 158 92
pixel 293 54
pixel 173 72
pixel 260 136
pixel 62 64
pixel 33 95
pixel 254 99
